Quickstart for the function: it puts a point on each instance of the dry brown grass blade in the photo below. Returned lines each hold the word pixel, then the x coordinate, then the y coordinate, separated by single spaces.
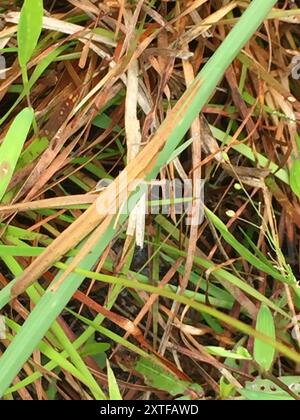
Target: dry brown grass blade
pixel 85 5
pixel 239 102
pixel 207 23
pixel 194 216
pixel 68 28
pixel 51 203
pixel 136 222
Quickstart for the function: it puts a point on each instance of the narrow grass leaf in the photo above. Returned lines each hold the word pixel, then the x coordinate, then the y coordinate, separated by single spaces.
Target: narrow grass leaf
pixel 240 354
pixel 264 353
pixel 12 146
pixel 295 177
pixel 29 29
pixel 114 392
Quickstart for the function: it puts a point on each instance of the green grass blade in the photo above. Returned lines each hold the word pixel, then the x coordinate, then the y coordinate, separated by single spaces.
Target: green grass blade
pixel 246 151
pixel 12 146
pixel 295 177
pixel 38 323
pixel 240 354
pixel 78 343
pixel 264 353
pixel 114 392
pixel 29 29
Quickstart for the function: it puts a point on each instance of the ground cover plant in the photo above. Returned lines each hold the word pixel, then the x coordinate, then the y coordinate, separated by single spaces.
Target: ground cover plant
pixel 149 200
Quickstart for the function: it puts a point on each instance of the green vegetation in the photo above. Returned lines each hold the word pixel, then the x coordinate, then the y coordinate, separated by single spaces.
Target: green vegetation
pixel 197 298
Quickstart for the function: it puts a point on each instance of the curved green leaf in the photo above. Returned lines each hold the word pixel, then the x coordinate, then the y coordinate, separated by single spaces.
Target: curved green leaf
pixel 295 177
pixel 263 389
pixel 12 146
pixel 29 29
pixel 264 353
